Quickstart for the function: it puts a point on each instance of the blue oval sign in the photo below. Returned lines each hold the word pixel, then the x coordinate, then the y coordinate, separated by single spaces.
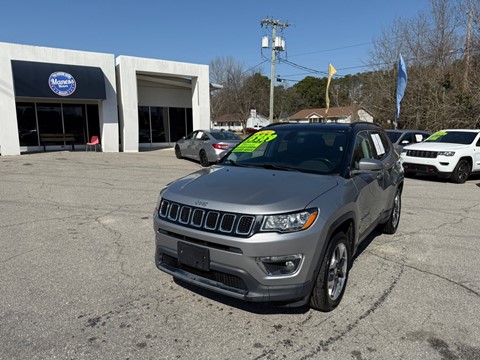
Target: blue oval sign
pixel 62 83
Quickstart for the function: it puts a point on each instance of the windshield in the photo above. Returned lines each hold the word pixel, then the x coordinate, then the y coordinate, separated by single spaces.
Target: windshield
pixel 393 135
pixel 224 135
pixel 315 151
pixel 453 137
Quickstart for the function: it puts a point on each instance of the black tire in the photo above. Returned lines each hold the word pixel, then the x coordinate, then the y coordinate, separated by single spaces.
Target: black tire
pixel 203 159
pixel 461 172
pixel 326 295
pixel 178 153
pixel 391 226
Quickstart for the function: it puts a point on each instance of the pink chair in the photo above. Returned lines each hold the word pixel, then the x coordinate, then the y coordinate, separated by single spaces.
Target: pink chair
pixel 93 142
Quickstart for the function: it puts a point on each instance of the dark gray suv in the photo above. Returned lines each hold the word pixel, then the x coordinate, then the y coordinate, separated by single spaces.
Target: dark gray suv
pixel 281 216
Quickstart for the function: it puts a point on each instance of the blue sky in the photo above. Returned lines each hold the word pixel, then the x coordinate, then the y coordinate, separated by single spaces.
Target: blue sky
pixel 320 32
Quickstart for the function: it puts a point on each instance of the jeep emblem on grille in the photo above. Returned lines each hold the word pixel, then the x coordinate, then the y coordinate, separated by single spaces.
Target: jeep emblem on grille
pixel 201 203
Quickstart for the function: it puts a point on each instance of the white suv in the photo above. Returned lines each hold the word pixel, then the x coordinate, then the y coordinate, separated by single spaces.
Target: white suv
pixel 453 154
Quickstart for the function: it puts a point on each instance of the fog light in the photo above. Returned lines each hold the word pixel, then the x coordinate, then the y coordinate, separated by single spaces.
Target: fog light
pixel 280 265
pixel 290 266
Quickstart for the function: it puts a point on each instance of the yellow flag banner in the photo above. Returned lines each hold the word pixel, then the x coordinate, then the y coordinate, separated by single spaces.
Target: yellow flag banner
pixel 331 71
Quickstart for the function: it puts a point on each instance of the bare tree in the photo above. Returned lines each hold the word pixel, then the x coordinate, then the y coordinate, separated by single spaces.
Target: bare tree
pixel 433 46
pixel 242 91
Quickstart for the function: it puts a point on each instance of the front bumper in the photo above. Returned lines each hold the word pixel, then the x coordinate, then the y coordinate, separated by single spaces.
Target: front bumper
pixel 233 268
pixel 440 166
pixel 232 282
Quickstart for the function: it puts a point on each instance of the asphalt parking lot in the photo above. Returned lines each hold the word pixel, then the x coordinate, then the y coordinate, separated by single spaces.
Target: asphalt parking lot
pixel 78 279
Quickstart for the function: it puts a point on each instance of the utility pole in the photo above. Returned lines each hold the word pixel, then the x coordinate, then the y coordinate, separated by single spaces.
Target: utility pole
pixel 277 44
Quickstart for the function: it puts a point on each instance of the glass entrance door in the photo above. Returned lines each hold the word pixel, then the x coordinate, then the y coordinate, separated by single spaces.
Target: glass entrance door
pixel 74 123
pixel 50 125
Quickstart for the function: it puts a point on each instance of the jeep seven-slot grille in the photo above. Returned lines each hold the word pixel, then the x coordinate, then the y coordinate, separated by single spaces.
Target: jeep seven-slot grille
pixel 422 153
pixel 209 220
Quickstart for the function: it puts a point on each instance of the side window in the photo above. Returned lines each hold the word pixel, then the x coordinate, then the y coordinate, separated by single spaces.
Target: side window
pixel 199 135
pixel 363 148
pixel 420 137
pixel 381 145
pixel 407 139
pixel 191 135
pixel 387 145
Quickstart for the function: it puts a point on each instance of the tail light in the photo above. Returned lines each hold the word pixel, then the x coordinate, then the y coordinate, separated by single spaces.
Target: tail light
pixel 220 146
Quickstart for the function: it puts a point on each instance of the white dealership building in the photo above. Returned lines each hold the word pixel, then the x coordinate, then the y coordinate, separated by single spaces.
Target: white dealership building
pixel 57 99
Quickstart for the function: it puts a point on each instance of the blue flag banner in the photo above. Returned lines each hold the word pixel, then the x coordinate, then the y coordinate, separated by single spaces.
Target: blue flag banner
pixel 401 82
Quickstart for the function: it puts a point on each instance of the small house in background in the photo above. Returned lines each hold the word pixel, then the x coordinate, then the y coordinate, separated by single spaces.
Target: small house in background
pixel 255 122
pixel 230 122
pixel 235 122
pixel 342 114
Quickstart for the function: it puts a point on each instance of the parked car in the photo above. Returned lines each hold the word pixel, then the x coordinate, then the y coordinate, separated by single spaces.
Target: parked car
pixel 280 218
pixel 251 130
pixel 401 138
pixel 453 154
pixel 206 146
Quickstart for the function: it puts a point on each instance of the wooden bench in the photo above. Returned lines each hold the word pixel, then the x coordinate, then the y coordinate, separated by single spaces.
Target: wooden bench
pixel 66 139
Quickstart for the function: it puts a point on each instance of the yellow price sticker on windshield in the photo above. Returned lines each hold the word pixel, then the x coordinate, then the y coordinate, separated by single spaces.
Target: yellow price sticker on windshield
pixel 254 141
pixel 437 135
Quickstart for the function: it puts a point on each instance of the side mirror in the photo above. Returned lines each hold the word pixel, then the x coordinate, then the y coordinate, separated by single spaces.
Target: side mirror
pixel 368 165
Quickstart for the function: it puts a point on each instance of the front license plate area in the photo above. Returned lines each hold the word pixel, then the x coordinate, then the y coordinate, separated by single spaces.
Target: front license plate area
pixel 193 256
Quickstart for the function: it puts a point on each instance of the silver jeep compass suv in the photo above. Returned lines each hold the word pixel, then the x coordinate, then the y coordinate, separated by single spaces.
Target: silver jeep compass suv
pixel 281 216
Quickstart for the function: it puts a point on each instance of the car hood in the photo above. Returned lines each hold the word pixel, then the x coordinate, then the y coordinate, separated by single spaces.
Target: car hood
pixel 434 146
pixel 248 190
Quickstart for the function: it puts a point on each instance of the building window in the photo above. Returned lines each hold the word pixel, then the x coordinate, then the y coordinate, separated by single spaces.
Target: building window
pixel 39 124
pixel 27 124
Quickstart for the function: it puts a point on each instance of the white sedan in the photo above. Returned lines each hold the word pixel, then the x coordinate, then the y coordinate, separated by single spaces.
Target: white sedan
pixel 452 153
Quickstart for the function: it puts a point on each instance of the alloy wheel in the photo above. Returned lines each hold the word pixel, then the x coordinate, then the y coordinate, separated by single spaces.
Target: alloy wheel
pixel 337 271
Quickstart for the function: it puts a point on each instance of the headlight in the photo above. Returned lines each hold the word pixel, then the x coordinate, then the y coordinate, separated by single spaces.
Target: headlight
pixel 446 153
pixel 290 222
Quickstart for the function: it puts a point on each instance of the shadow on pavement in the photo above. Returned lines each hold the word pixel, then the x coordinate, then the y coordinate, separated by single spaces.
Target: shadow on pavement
pixel 253 307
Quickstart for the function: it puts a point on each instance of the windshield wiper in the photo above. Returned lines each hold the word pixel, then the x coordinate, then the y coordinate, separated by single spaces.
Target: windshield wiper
pixel 277 167
pixel 233 163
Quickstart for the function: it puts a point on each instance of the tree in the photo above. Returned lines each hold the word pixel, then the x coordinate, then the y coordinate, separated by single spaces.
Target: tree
pixel 312 91
pixel 435 49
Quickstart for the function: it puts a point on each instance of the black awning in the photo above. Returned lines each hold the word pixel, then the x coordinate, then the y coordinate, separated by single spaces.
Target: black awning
pixel 59 81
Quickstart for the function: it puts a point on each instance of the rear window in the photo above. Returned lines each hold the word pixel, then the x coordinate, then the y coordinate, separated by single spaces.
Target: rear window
pixel 225 136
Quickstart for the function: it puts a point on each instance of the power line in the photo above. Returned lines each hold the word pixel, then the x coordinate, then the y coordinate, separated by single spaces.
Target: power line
pixel 253 67
pixel 301 67
pixel 333 49
pixel 371 65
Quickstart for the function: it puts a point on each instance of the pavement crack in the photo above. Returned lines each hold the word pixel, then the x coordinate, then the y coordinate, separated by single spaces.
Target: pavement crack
pixel 325 344
pixel 118 236
pixel 20 254
pixel 427 272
